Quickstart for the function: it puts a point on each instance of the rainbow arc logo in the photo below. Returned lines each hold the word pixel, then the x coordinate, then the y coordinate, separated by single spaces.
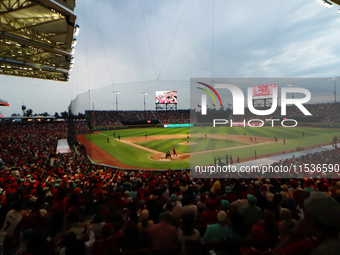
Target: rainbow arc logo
pixel 209 93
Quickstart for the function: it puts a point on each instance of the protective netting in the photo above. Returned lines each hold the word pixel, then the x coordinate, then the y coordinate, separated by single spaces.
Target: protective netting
pixel 115 129
pixel 98 118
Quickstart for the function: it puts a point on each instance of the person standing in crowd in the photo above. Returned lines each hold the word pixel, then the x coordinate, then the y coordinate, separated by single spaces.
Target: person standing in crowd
pixel 144 227
pixel 251 213
pixel 187 230
pixel 177 208
pixel 8 234
pixel 219 231
pixel 163 234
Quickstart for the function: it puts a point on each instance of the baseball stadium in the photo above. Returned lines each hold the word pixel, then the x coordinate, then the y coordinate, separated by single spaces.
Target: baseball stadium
pixel 180 163
pixel 175 139
pixel 149 145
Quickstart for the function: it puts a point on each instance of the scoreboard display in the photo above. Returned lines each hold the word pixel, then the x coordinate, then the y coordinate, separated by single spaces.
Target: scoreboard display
pixel 166 97
pixel 264 91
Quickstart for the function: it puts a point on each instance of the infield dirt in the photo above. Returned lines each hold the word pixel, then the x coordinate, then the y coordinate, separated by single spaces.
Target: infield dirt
pixel 159 156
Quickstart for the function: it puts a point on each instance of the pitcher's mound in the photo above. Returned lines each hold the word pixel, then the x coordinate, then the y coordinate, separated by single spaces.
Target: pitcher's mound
pixel 161 157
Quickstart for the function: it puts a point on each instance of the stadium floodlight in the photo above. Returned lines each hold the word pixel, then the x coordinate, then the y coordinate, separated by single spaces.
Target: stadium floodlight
pixel 145 94
pixel 325 3
pixel 334 79
pixel 291 85
pixel 72 50
pixel 76 30
pixel 74 42
pixel 116 92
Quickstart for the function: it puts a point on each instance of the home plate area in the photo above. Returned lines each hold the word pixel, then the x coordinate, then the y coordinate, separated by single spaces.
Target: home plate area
pixel 162 157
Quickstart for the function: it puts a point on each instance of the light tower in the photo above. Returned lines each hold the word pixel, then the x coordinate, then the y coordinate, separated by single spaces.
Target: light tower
pixel 145 94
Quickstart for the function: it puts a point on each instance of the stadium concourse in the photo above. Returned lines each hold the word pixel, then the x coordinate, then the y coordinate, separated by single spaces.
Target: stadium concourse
pixel 62 203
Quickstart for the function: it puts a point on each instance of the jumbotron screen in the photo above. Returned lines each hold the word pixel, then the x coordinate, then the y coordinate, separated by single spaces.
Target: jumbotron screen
pixel 264 91
pixel 166 97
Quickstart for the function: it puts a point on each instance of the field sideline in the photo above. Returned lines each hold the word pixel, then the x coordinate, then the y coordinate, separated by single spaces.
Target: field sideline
pixel 137 150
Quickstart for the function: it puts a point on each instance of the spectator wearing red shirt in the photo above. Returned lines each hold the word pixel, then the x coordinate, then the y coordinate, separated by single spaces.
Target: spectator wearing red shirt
pixel 163 234
pixel 209 216
pixel 109 243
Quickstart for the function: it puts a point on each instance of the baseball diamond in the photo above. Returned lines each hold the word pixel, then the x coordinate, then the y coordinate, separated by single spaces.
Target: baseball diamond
pixel 148 146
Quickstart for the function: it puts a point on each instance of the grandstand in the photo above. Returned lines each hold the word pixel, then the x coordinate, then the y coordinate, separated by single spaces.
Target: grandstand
pixel 53 185
pixel 131 118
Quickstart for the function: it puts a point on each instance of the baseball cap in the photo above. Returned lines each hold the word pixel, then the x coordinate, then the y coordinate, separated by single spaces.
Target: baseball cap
pixel 173 198
pixel 251 199
pixel 225 204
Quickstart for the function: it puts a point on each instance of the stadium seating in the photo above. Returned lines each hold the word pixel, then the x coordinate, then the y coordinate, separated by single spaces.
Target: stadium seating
pixel 67 189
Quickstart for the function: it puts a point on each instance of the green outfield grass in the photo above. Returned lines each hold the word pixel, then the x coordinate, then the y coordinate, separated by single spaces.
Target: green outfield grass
pixel 134 156
pixel 197 144
pixel 137 157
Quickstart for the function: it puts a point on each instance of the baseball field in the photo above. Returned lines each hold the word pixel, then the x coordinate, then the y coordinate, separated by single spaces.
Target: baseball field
pixel 146 147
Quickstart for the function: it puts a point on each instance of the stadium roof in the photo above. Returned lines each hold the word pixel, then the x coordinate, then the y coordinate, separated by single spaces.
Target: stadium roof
pixel 336 1
pixel 36 38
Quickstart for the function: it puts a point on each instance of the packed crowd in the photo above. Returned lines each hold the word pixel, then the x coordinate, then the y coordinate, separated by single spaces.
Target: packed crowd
pixel 115 118
pixel 321 113
pixel 80 126
pixel 173 117
pixel 329 157
pixel 44 196
pixel 105 118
